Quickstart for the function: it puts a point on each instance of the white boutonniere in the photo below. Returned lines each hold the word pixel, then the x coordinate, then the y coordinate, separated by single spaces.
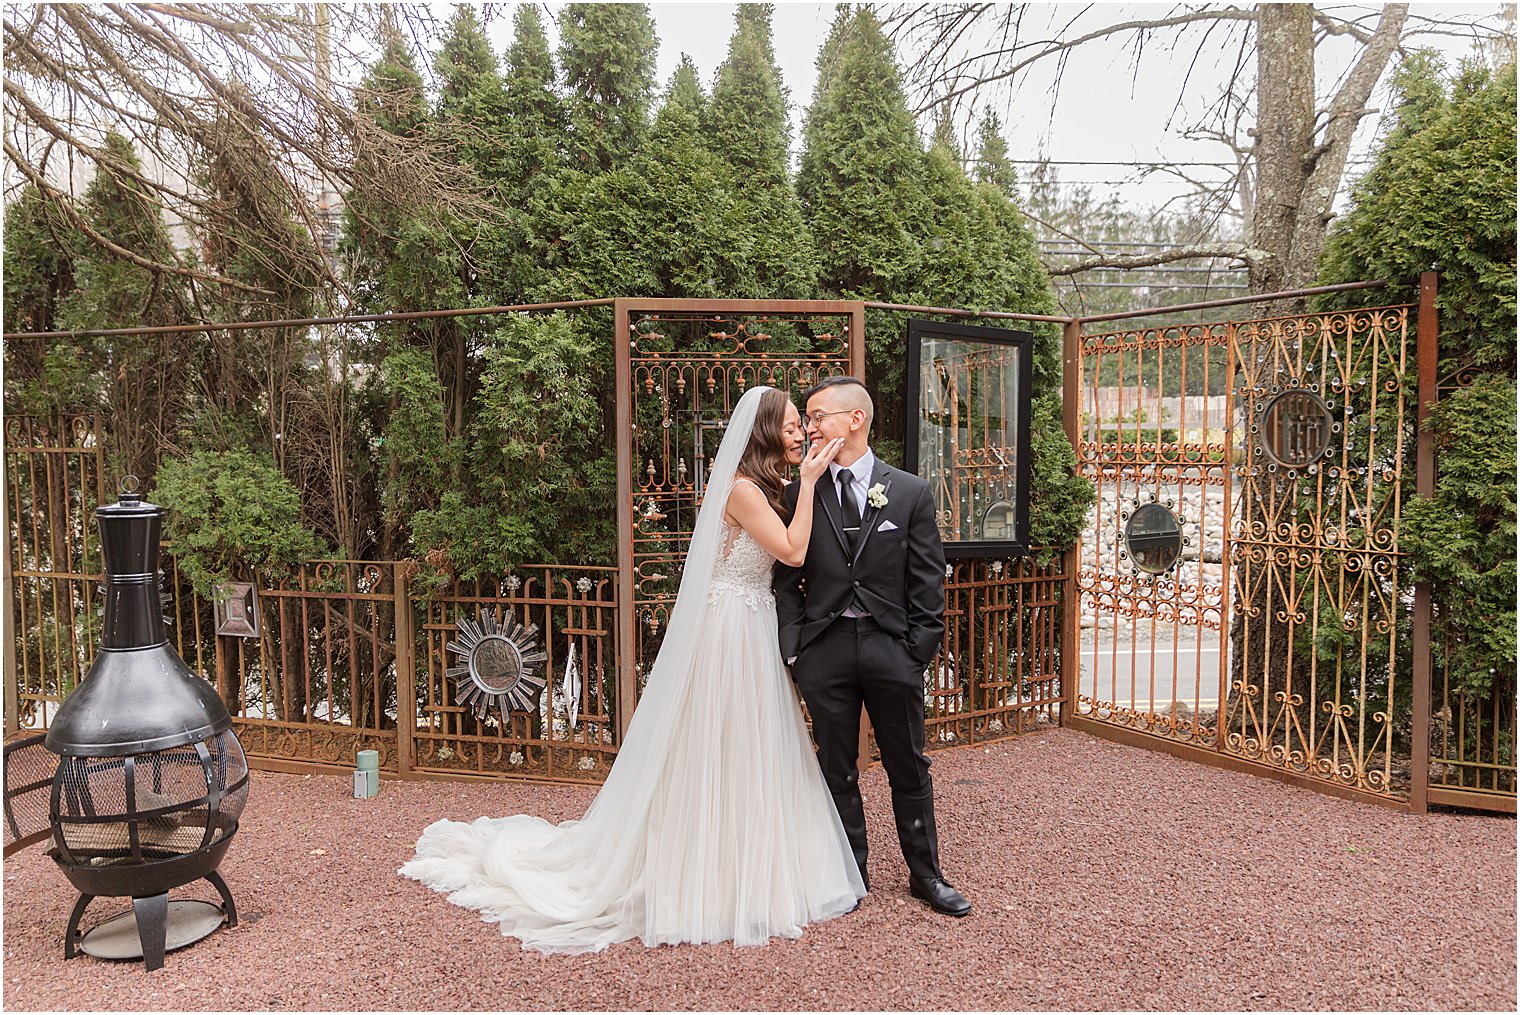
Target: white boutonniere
pixel 877 496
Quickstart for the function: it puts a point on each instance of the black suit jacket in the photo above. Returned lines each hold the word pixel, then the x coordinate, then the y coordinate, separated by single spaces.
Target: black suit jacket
pixel 899 573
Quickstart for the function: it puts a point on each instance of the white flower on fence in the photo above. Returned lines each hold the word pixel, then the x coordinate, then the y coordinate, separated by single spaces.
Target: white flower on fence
pixel 586 764
pixel 515 758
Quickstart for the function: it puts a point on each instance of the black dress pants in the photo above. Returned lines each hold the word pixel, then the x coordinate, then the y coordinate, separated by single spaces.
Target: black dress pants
pixel 853 663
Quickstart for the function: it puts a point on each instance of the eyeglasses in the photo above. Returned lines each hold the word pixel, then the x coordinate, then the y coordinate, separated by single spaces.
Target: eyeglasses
pixel 816 418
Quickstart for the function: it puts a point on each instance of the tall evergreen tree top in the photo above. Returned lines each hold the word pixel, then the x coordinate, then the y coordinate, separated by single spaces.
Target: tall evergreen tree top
pixel 608 55
pixel 828 54
pixel 1442 192
pixel 685 92
pixel 530 73
pixel 464 63
pixel 992 162
pixel 944 135
pixel 110 291
pixel 118 207
pixel 747 117
pixel 861 161
pixel 38 260
pixel 391 91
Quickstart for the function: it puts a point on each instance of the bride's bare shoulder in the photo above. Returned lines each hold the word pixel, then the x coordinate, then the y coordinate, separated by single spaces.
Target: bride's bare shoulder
pixel 740 483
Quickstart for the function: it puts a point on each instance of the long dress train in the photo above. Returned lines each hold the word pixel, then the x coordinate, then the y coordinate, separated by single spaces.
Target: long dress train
pixel 714 824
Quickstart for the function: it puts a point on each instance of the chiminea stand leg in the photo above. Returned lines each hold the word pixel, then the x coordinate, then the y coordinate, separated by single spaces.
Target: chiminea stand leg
pixel 152 927
pixel 71 936
pixel 227 904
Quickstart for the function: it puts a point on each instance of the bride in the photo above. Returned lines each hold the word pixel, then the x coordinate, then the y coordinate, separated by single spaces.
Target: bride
pixel 715 823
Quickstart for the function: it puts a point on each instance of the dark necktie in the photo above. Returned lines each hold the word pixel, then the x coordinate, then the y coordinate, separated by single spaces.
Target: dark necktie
pixel 851 510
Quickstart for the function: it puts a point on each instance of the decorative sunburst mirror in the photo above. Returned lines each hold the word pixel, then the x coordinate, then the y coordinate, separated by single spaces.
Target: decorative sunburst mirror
pixel 497 664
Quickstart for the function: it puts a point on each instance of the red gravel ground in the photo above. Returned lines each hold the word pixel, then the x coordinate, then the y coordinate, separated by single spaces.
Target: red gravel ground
pixel 1103 877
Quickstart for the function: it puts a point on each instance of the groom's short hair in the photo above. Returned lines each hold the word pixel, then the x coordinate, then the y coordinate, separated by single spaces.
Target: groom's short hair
pixel 860 396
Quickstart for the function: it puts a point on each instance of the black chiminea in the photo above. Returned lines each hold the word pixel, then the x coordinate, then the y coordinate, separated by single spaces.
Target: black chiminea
pixel 152 779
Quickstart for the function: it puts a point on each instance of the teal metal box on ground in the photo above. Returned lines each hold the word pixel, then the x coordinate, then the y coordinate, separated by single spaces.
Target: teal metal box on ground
pixel 367 775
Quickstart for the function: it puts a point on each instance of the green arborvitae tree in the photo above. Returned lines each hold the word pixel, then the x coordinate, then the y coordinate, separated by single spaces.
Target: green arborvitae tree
pixel 607 52
pixel 746 129
pixel 660 223
pixel 861 184
pixel 859 180
pixel 896 223
pixel 747 118
pixel 607 55
pixel 899 224
pixel 993 165
pixel 400 260
pixel 532 175
pixel 397 260
pixel 1442 192
pixel 143 378
pixel 42 376
pixel 537 457
pixel 463 63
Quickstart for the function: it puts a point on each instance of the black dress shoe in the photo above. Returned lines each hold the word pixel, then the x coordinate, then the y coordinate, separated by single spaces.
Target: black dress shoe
pixel 940 895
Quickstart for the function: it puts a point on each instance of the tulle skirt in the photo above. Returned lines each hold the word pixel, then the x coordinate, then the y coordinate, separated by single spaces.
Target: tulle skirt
pixel 713 825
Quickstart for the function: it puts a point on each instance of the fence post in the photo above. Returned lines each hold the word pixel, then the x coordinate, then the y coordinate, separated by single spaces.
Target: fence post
pixel 627 687
pixel 1426 328
pixel 8 616
pixel 406 667
pixel 1071 617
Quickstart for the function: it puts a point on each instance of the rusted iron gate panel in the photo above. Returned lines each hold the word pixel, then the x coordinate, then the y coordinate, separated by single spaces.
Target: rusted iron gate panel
pixel 681 366
pixel 318 683
pixel 1242 590
pixel 998 671
pixel 53 482
pixel 1471 756
pixel 573 736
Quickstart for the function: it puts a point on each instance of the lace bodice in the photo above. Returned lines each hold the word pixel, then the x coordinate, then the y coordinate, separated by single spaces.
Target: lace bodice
pixel 743 568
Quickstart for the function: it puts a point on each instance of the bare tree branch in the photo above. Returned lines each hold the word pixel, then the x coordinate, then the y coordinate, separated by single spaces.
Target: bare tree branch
pixel 67 207
pixel 192 85
pixel 1238 252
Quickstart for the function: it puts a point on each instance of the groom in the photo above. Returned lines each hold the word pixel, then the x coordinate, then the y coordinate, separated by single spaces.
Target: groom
pixel 865 625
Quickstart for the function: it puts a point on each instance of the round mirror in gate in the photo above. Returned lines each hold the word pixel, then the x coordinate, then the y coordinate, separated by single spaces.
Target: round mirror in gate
pixel 1153 537
pixel 497 664
pixel 1000 522
pixel 1295 428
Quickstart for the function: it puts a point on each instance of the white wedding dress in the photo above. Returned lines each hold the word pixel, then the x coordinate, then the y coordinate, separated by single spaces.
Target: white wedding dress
pixel 714 823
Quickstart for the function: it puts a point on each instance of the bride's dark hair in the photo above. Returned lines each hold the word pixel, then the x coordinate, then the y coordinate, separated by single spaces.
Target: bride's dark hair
pixel 764 459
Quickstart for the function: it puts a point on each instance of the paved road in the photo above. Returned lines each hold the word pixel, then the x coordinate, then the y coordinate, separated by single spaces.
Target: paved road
pixel 1191 667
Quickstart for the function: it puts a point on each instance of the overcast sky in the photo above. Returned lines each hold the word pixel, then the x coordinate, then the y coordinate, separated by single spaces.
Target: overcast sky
pixel 1103 112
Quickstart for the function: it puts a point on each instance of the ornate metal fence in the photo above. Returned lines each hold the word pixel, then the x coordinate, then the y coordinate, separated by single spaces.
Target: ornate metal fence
pixel 681 366
pixel 1151 575
pixel 1472 743
pixel 1243 592
pixel 53 479
pixel 573 735
pixel 998 671
pixel 1239 597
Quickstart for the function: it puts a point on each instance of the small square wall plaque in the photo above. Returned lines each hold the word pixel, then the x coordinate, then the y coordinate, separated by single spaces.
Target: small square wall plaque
pixel 237 614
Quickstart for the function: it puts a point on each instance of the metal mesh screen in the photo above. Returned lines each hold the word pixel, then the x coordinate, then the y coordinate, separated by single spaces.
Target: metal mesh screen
pixel 29 769
pixel 170 790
